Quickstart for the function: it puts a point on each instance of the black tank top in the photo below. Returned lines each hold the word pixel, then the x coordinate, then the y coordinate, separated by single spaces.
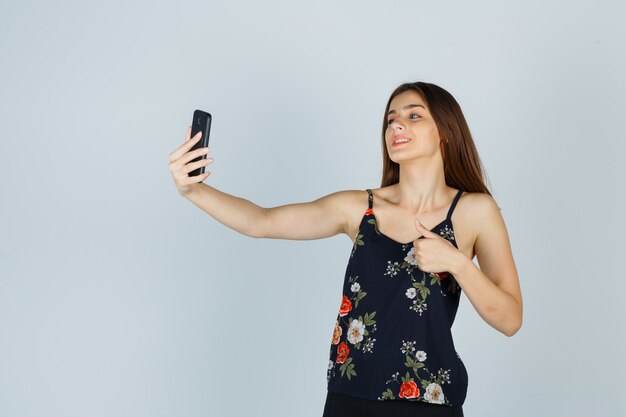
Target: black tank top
pixel 392 339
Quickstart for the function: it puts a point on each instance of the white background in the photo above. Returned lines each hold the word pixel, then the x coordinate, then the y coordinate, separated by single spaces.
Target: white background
pixel 118 297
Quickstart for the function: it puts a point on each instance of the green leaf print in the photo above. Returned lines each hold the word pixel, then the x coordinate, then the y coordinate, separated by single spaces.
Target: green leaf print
pixel 347 369
pixel 344 366
pixel 435 280
pixel 388 395
pixel 357 241
pixel 368 319
pixel 359 296
pixel 417 366
pixel 351 371
pixel 411 363
pixel 423 289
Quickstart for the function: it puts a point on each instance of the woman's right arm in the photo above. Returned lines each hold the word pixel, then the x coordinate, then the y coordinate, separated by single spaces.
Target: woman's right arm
pixel 324 217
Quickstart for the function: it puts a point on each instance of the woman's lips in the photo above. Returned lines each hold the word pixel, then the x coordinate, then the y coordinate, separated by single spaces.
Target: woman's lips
pixel 400 143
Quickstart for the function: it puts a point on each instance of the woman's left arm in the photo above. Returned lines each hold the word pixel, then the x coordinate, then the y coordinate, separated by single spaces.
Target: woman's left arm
pixel 493 289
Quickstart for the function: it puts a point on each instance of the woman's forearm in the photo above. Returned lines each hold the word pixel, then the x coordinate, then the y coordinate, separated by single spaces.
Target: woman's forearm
pixel 497 307
pixel 237 213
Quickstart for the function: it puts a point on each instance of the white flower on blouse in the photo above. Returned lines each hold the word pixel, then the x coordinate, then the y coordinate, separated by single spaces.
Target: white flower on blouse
pixel 411 292
pixel 434 394
pixel 444 376
pixel 392 268
pixel 420 355
pixel 408 346
pixel 409 256
pixel 355 332
pixel 355 287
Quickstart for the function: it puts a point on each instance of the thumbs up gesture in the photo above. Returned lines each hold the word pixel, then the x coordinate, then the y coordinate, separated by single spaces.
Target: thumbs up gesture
pixel 433 253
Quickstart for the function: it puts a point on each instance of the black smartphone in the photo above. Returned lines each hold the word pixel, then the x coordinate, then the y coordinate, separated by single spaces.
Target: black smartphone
pixel 201 123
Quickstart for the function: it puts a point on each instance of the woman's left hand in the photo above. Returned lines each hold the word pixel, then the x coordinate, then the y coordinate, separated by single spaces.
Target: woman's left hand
pixel 433 253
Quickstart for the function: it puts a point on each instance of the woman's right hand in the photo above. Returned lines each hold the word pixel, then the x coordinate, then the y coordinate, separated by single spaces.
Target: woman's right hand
pixel 180 167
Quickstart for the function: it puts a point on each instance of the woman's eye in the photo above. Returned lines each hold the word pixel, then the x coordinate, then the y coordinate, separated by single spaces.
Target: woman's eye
pixel 412 114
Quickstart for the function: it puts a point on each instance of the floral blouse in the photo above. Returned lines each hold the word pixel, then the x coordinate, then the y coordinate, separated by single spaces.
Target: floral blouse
pixel 392 339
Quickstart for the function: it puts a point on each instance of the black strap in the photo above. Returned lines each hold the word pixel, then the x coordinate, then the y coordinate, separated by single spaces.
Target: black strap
pixel 371 197
pixel 456 199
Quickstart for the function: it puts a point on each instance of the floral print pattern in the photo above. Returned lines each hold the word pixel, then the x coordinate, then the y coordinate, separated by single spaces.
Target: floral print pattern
pixel 419 291
pixel 357 329
pixel 431 384
pixel 422 378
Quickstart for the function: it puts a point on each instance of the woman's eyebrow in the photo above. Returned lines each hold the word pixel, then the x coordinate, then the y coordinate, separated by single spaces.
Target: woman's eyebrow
pixel 408 106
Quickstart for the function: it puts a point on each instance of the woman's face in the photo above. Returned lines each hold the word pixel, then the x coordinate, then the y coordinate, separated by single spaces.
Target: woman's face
pixel 409 117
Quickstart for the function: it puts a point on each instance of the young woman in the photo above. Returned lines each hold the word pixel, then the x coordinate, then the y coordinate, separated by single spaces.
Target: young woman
pixel 414 241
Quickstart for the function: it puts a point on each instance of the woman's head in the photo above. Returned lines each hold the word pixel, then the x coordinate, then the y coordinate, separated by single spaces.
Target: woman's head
pixel 434 123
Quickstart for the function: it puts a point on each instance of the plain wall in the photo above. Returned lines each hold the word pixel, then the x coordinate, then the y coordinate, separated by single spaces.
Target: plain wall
pixel 118 297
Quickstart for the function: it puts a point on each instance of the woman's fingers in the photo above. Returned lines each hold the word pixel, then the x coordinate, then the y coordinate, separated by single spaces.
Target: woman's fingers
pixel 193 165
pixel 182 149
pixel 180 167
pixel 192 155
pixel 194 178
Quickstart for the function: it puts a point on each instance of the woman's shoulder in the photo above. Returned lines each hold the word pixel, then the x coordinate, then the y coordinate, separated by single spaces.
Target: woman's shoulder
pixel 470 217
pixel 357 200
pixel 354 204
pixel 478 202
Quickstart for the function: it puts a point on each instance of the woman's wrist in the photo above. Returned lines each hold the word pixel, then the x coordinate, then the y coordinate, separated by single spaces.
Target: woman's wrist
pixel 460 263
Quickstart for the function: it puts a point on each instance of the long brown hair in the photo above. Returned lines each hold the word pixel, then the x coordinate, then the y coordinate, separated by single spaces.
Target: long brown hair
pixel 463 168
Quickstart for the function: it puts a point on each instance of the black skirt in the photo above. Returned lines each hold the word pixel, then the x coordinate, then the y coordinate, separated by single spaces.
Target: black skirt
pixel 342 405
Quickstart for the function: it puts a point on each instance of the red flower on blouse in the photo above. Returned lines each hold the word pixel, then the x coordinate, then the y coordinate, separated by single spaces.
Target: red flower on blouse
pixel 441 275
pixel 409 390
pixel 346 306
pixel 342 352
